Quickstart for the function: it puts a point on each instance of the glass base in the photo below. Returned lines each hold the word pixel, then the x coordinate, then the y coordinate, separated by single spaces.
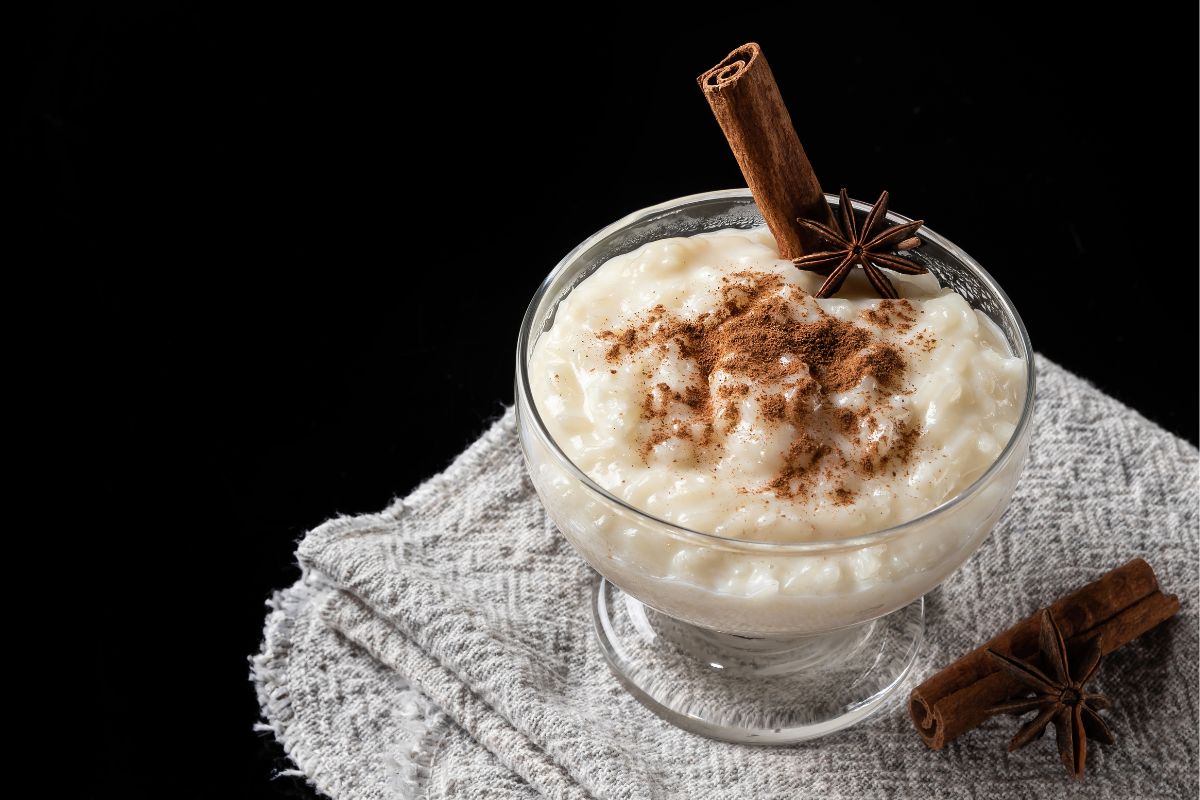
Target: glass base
pixel 755 690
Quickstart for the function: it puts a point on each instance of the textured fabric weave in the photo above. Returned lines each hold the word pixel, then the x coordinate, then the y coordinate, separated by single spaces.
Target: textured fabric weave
pixel 444 647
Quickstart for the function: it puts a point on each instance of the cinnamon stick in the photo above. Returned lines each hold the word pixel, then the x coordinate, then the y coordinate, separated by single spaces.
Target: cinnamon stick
pixel 745 99
pixel 1119 607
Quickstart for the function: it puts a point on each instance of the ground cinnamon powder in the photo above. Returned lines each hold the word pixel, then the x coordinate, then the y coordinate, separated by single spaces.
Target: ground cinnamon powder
pixel 897 315
pixel 756 341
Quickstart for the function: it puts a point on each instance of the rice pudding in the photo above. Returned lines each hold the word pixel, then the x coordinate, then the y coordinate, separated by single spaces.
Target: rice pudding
pixel 699 381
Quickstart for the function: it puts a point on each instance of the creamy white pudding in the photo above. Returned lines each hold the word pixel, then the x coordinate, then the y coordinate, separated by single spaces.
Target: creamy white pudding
pixel 699 381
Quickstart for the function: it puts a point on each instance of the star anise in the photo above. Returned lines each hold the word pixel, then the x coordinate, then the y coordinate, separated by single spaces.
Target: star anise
pixel 1060 697
pixel 865 247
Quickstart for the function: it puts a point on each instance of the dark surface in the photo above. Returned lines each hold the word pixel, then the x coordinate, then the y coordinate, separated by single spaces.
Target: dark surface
pixel 292 315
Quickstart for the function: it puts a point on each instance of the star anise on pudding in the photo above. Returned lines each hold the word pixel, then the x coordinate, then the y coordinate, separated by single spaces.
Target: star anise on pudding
pixel 1059 696
pixel 864 246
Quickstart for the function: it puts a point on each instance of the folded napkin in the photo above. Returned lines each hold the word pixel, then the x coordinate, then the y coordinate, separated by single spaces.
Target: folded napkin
pixel 444 649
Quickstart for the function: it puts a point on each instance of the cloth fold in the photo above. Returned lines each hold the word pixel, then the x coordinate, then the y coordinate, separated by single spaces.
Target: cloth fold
pixel 444 649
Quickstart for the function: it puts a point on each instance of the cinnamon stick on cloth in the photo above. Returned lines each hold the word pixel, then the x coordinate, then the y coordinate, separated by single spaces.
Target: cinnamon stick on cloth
pixel 1118 607
pixel 745 99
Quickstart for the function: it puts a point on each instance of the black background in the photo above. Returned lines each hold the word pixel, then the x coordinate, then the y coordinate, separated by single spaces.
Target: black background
pixel 292 313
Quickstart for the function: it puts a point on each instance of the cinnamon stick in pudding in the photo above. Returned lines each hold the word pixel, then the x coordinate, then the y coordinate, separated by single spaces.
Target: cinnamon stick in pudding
pixel 745 99
pixel 1119 607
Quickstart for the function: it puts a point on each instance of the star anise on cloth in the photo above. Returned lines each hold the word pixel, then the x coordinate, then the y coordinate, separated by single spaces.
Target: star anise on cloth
pixel 865 247
pixel 1060 697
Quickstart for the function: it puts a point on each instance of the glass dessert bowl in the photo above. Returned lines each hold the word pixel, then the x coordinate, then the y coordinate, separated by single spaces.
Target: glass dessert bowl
pixel 750 639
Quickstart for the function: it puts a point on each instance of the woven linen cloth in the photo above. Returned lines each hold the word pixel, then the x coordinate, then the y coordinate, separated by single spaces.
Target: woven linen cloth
pixel 444 648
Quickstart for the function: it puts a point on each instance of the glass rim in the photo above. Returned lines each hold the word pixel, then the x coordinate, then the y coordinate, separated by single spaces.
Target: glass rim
pixel 526 403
